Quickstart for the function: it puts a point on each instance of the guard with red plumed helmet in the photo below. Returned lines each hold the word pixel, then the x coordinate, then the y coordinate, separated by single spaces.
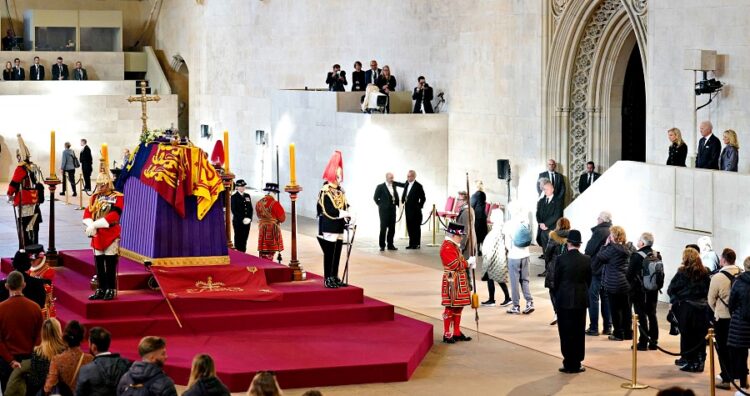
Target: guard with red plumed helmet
pixel 333 216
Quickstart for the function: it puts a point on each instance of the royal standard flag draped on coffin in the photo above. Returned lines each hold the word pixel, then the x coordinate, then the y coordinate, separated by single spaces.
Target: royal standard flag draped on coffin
pixel 179 171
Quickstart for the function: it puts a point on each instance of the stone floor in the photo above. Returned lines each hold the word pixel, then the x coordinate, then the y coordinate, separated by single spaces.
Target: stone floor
pixel 512 355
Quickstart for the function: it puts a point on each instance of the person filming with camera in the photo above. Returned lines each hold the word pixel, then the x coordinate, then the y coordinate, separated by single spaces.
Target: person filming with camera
pixel 422 97
pixel 336 79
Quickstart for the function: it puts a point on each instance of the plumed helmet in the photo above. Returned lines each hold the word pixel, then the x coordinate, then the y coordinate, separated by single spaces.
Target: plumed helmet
pixel 22 153
pixel 104 178
pixel 334 168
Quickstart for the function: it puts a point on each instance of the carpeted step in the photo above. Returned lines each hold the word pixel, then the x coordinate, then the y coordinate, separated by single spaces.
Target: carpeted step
pixel 71 291
pixel 196 323
pixel 309 356
pixel 133 275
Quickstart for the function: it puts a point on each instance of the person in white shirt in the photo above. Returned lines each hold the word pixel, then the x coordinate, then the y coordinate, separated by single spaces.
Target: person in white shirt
pixel 387 199
pixel 518 259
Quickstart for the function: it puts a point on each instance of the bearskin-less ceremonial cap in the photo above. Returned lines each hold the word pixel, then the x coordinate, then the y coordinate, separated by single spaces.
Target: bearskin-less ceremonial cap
pixel 334 168
pixel 455 228
pixel 21 261
pixel 271 187
pixel 34 250
pixel 240 183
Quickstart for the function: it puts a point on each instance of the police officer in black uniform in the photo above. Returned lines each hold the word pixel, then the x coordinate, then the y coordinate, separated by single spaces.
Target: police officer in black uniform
pixel 242 215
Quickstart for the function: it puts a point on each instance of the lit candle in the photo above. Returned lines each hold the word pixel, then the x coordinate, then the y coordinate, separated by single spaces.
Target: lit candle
pixel 105 154
pixel 52 155
pixel 226 151
pixel 292 166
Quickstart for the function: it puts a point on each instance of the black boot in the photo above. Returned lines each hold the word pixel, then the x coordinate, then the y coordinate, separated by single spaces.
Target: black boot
pixel 337 247
pixel 111 273
pixel 326 247
pixel 330 283
pixel 109 294
pixel 339 282
pixel 98 294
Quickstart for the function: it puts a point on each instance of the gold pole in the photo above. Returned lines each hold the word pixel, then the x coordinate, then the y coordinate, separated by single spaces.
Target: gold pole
pixel 80 195
pixel 633 384
pixel 712 369
pixel 434 226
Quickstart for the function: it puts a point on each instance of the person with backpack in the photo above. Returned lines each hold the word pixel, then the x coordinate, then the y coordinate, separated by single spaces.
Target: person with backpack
pixel 146 378
pixel 739 326
pixel 517 233
pixel 100 377
pixel 646 278
pixel 718 301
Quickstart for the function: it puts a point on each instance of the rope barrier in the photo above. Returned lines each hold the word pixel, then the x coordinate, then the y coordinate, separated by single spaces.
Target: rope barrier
pixel 441 222
pixel 644 335
pixel 428 218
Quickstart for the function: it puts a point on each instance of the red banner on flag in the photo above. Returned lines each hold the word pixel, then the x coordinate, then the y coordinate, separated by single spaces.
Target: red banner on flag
pixel 226 282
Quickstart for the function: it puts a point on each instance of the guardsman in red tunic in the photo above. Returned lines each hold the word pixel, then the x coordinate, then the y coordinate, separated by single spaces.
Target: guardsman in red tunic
pixel 102 221
pixel 26 196
pixel 270 216
pixel 456 291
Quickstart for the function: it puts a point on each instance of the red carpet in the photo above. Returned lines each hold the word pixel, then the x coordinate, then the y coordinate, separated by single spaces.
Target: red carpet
pixel 311 337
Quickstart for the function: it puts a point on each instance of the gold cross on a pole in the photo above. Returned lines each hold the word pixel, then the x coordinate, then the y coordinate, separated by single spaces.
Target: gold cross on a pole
pixel 143 98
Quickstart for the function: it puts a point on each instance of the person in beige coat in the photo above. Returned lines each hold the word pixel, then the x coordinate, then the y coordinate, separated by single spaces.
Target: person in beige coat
pixel 718 300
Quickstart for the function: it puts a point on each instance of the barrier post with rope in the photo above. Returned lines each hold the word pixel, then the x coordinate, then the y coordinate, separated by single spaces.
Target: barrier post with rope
pixel 80 196
pixel 434 227
pixel 633 384
pixel 711 368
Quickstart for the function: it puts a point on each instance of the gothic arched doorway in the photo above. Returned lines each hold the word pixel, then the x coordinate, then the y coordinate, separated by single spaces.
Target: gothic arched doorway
pixel 591 46
pixel 634 110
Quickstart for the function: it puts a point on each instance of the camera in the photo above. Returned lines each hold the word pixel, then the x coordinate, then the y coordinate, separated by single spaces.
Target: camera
pixel 708 86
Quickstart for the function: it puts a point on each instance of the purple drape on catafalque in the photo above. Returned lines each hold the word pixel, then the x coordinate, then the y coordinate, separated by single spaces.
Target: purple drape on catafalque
pixel 152 228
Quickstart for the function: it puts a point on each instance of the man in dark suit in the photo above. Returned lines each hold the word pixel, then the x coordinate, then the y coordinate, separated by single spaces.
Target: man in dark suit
pixel 36 71
pixel 422 97
pixel 86 165
pixel 413 200
pixel 372 75
pixel 588 178
pixel 548 210
pixel 336 79
pixel 18 73
pixel 59 70
pixel 558 180
pixel 386 197
pixel 242 215
pixel 709 148
pixel 572 280
pixel 79 73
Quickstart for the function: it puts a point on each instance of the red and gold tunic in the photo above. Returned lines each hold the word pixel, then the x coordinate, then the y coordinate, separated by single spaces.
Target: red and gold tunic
pixel 22 180
pixel 109 206
pixel 44 271
pixel 270 214
pixel 455 291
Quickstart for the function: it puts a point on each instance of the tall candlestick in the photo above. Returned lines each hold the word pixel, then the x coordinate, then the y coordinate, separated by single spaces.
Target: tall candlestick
pixel 105 154
pixel 52 154
pixel 292 166
pixel 226 151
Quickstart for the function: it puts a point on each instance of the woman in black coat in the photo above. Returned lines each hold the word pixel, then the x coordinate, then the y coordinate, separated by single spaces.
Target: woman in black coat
pixel 478 203
pixel 8 71
pixel 358 77
pixel 558 238
pixel 688 293
pixel 739 326
pixel 678 149
pixel 613 258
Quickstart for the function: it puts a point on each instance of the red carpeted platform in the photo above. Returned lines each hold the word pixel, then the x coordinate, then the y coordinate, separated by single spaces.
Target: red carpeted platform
pixel 313 337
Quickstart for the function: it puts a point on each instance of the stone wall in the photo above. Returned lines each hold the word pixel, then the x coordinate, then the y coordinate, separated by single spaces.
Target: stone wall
pixel 485 56
pixel 371 145
pixel 676 25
